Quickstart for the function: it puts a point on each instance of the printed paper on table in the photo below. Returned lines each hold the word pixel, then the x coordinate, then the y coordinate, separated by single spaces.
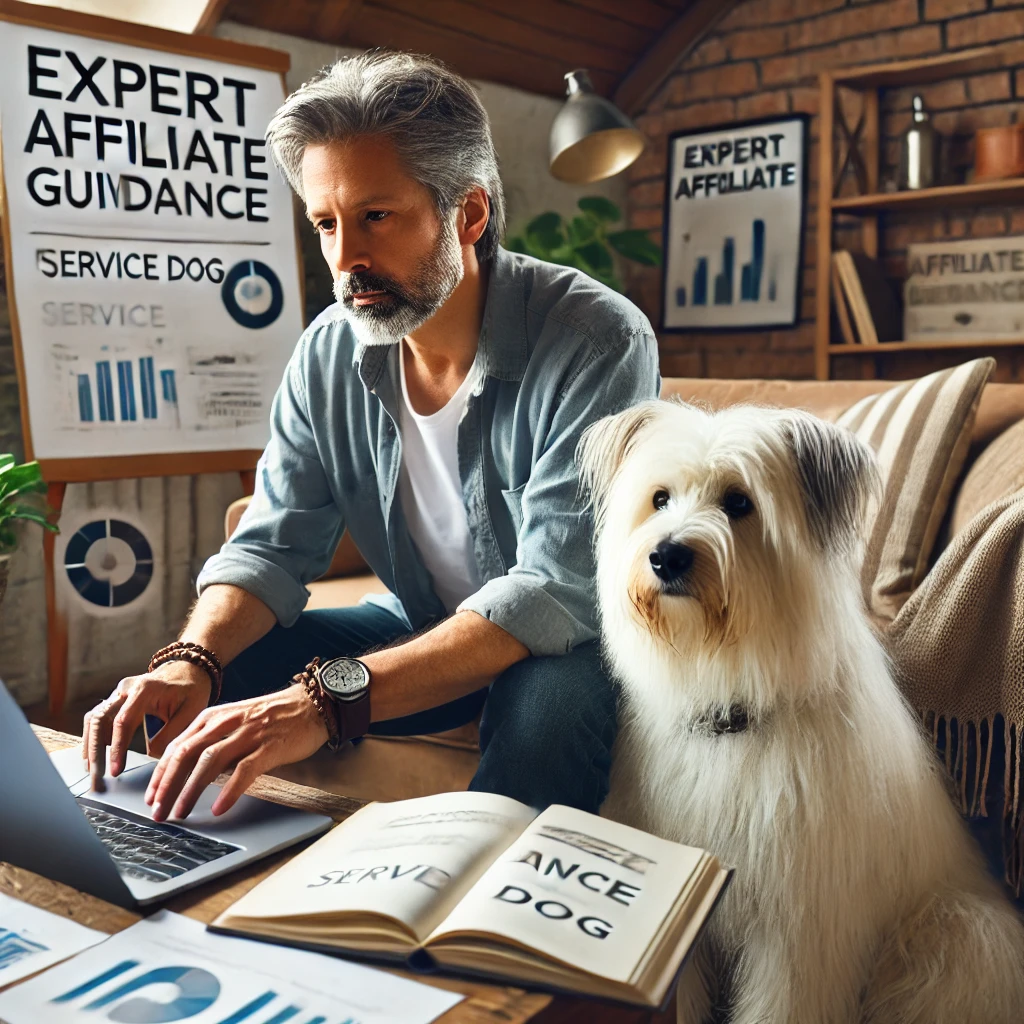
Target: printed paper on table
pixel 32 939
pixel 169 968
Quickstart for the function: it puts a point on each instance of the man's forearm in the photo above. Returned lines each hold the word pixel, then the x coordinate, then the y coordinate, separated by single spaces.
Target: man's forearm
pixel 461 655
pixel 226 620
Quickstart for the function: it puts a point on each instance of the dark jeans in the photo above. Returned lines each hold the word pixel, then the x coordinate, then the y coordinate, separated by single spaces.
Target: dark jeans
pixel 548 723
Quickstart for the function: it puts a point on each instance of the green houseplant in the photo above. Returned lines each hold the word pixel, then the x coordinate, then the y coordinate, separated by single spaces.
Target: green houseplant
pixel 587 241
pixel 21 488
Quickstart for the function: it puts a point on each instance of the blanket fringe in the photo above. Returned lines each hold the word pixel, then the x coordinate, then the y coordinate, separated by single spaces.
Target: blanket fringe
pixel 968 758
pixel 1013 808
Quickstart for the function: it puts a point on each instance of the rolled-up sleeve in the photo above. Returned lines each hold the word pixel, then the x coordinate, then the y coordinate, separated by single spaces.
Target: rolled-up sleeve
pixel 289 532
pixel 547 600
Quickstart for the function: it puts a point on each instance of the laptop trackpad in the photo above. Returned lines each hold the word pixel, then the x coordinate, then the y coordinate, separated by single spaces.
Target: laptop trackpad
pixel 128 790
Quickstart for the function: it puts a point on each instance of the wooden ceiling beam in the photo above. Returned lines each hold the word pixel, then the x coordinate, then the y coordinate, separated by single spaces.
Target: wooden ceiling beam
pixel 297 18
pixel 642 13
pixel 667 52
pixel 211 15
pixel 566 20
pixel 507 29
pixel 335 17
pixel 472 57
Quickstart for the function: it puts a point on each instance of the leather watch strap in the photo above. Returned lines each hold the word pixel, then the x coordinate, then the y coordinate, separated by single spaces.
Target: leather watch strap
pixel 353 717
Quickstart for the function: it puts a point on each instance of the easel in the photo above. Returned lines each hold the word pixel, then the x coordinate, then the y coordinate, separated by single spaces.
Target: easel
pixel 59 472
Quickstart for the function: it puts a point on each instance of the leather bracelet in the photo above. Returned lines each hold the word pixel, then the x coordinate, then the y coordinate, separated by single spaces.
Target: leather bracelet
pixel 195 654
pixel 307 679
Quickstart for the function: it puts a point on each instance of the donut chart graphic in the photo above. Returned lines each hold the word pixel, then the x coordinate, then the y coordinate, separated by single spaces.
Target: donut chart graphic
pixel 109 562
pixel 252 294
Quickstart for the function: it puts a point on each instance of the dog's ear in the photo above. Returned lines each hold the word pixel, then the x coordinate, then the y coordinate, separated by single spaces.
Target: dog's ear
pixel 838 475
pixel 606 443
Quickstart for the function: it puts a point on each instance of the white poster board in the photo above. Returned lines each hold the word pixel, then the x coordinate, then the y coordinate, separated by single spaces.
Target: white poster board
pixel 968 290
pixel 153 251
pixel 734 225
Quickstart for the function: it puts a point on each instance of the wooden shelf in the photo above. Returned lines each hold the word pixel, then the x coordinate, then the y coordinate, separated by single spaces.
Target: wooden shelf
pixel 978 193
pixel 920 346
pixel 847 143
pixel 918 72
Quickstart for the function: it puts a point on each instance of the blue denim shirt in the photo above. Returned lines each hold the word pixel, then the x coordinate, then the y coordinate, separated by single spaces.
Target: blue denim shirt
pixel 557 351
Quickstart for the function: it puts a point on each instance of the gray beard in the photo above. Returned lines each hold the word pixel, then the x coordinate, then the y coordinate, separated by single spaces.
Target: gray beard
pixel 408 307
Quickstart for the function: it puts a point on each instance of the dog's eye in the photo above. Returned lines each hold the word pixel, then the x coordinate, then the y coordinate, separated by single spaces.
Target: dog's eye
pixel 736 505
pixel 661 499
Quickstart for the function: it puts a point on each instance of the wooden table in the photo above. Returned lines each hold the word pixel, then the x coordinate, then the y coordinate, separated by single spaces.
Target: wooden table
pixel 484 1004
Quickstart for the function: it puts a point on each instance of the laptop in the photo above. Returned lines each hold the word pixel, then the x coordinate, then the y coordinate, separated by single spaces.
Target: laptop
pixel 107 844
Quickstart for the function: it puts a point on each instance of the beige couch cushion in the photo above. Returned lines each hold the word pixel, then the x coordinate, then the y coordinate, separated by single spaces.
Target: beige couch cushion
pixel 997 473
pixel 920 431
pixel 827 399
pixel 342 591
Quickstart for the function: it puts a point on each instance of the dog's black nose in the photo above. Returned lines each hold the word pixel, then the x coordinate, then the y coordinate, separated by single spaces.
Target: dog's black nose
pixel 670 560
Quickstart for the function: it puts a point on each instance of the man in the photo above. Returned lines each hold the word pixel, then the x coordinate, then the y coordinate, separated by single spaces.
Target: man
pixel 434 413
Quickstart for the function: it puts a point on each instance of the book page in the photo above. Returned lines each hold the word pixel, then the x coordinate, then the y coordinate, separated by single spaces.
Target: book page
pixel 411 860
pixel 583 890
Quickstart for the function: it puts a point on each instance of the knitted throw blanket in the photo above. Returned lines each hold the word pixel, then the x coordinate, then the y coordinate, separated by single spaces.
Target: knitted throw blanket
pixel 958 649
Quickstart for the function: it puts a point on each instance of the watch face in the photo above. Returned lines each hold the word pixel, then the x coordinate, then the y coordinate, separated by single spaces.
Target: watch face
pixel 345 678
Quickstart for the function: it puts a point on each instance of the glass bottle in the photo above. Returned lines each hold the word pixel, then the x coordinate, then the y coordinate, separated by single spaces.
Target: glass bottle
pixel 919 150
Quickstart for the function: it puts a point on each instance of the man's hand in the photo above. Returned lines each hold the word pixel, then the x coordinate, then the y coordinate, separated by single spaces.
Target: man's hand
pixel 253 735
pixel 176 692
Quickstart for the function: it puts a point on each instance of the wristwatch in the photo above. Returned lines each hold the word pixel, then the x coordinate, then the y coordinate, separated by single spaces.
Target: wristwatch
pixel 345 682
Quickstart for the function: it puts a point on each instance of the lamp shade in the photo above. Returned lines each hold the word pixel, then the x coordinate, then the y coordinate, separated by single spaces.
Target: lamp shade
pixel 591 138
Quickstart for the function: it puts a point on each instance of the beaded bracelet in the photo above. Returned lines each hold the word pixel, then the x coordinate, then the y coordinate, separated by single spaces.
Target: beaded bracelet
pixel 196 655
pixel 307 679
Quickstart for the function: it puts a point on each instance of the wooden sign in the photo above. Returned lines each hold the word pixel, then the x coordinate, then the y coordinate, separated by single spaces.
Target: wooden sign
pixel 152 261
pixel 968 290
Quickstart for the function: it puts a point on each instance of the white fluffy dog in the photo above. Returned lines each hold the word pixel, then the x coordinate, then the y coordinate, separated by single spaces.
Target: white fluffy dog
pixel 760 721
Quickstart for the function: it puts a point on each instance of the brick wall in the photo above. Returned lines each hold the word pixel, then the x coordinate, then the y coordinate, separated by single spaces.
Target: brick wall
pixel 764 59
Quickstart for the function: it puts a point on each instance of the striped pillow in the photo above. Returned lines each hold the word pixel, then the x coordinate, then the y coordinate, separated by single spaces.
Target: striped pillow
pixel 920 432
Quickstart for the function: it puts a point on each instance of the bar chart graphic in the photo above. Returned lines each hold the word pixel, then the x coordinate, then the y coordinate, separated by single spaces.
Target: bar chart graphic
pixel 724 292
pixel 723 280
pixel 135 391
pixel 750 281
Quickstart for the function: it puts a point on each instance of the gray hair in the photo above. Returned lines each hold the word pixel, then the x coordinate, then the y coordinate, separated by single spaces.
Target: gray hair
pixel 431 115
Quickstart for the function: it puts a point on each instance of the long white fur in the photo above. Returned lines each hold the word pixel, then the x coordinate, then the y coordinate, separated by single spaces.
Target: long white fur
pixel 858 895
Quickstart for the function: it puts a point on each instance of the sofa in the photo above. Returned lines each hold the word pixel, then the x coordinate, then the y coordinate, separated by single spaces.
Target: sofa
pixel 393 768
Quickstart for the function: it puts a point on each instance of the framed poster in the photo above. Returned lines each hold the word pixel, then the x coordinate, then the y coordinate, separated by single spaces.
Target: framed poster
pixel 152 260
pixel 734 225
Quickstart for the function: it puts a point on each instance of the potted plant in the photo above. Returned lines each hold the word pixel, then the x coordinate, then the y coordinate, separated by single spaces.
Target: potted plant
pixel 20 490
pixel 587 241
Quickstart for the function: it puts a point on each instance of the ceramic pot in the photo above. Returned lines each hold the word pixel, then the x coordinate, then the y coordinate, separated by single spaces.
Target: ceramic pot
pixel 999 152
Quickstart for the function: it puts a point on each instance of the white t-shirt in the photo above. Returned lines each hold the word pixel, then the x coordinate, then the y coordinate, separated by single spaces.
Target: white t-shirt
pixel 430 490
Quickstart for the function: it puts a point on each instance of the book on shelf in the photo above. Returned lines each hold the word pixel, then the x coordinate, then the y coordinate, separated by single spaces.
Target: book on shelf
pixel 840 306
pixel 479 884
pixel 872 301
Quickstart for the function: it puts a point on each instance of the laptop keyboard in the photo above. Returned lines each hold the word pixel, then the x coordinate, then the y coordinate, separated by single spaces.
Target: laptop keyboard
pixel 153 852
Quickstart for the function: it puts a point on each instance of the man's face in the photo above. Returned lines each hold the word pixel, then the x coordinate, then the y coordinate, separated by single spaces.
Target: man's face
pixel 395 262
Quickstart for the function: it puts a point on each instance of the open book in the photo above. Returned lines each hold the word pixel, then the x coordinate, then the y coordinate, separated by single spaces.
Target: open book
pixel 481 884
